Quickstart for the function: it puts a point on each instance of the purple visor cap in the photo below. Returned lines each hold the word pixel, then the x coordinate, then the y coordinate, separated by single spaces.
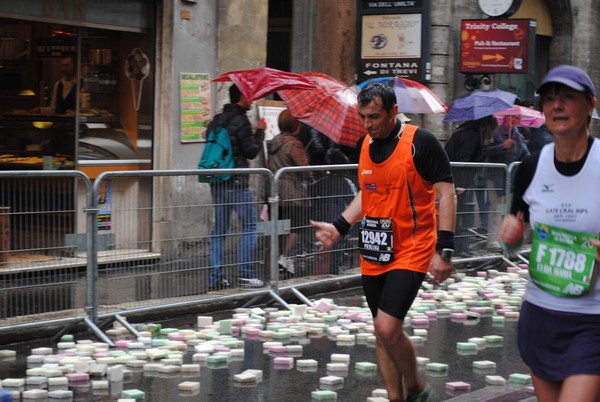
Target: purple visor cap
pixel 571 76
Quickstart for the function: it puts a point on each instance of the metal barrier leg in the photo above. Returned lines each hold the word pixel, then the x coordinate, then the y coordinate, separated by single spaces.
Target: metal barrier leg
pixel 254 300
pixel 302 297
pixel 105 324
pixel 127 325
pixel 98 332
pixel 280 300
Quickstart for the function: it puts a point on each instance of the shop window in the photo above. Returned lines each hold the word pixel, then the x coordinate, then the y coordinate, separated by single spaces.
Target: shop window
pixel 107 116
pixel 104 123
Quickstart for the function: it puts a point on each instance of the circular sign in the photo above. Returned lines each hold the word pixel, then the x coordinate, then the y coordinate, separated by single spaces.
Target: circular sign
pixel 497 8
pixel 378 41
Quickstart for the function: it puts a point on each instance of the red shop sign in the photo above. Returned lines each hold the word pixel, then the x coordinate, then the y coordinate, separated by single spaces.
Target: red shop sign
pixel 497 46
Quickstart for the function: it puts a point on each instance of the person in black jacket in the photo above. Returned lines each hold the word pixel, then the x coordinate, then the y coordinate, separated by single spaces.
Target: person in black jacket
pixel 468 144
pixel 540 136
pixel 315 144
pixel 235 194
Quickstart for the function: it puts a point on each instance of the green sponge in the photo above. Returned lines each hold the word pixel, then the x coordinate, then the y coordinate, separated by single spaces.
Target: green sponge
pixel 436 366
pixel 524 379
pixel 133 394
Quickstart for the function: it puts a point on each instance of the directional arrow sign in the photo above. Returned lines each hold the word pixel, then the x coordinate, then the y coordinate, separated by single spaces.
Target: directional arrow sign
pixel 496 57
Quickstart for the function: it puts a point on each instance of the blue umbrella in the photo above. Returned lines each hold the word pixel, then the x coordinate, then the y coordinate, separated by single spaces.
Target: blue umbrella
pixel 384 80
pixel 480 104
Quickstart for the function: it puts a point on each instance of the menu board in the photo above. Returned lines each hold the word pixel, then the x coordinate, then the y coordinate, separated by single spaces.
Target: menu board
pixel 195 106
pixel 270 110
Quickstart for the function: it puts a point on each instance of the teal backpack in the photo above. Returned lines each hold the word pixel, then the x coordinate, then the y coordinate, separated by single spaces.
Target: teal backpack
pixel 217 154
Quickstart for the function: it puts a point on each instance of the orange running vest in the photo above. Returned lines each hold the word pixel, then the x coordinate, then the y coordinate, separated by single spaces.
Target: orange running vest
pixel 394 189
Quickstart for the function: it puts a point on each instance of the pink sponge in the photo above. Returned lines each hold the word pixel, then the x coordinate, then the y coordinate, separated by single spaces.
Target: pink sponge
pixel 277 349
pixel 76 377
pixel 458 316
pixel 283 360
pixel 420 323
pixel 458 386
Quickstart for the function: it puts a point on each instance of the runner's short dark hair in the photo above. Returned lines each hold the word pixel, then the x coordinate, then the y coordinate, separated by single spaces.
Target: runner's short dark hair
pixel 377 90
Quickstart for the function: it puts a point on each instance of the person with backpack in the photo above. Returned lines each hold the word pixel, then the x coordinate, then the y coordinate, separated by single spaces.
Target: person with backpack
pixel 234 194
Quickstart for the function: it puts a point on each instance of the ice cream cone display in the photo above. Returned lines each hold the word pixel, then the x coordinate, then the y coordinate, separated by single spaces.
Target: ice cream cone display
pixel 137 68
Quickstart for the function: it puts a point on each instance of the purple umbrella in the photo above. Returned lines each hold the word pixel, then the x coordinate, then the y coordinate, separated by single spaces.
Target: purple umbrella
pixel 480 104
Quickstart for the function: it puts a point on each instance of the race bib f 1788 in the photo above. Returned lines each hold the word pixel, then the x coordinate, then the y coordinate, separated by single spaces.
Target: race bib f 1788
pixel 561 261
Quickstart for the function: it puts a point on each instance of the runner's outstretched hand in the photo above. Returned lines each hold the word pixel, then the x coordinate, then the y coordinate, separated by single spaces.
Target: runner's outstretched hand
pixel 511 229
pixel 326 233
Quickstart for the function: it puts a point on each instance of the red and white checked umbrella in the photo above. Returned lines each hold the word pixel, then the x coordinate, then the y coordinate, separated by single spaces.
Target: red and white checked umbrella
pixel 330 107
pixel 411 96
pixel 529 117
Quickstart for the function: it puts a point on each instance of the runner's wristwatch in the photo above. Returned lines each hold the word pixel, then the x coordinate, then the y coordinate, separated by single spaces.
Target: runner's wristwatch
pixel 446 254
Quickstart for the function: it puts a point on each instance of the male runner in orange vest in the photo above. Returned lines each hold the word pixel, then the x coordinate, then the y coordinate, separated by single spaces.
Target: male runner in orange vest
pixel 401 170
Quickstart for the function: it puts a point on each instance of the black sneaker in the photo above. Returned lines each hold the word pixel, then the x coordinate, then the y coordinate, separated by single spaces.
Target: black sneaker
pixel 220 285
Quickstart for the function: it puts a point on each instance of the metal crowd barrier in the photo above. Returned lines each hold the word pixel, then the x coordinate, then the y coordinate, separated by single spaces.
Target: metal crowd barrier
pixel 327 190
pixel 136 241
pixel 43 277
pixel 483 197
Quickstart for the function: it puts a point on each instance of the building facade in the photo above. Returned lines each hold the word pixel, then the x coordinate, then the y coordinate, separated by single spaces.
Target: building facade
pixel 213 37
pixel 145 68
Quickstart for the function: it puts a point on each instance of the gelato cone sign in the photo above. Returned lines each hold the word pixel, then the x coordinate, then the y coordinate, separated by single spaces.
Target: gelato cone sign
pixel 137 68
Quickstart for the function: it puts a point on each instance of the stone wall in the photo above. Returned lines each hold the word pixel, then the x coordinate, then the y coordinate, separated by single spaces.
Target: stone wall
pixel 335 47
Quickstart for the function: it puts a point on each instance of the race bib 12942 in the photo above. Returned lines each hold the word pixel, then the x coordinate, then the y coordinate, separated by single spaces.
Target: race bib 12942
pixel 376 242
pixel 561 261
